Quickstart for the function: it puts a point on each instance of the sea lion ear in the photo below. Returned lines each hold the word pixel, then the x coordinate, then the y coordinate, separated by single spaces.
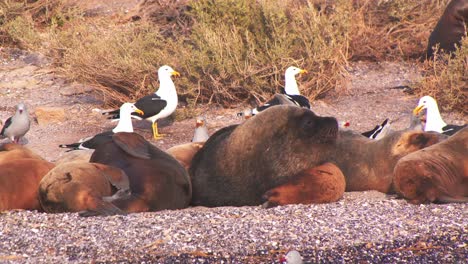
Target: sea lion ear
pixel 132 143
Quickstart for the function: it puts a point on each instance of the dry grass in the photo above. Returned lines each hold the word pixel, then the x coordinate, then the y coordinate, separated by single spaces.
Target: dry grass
pixel 229 52
pixel 446 79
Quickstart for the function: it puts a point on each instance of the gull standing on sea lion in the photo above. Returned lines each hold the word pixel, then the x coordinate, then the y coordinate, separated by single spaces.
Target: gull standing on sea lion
pixel 18 125
pixel 124 125
pixel 159 105
pixel 434 121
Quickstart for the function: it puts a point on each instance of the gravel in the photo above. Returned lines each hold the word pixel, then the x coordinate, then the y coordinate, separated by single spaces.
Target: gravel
pixel 363 226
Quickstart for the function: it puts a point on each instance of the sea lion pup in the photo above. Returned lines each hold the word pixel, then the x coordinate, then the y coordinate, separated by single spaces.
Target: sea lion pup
pixel 157 180
pixel 19 181
pixel 368 164
pixel 438 173
pixel 238 164
pixel 75 155
pixel 321 184
pixel 184 153
pixel 12 151
pixel 80 186
pixel 450 28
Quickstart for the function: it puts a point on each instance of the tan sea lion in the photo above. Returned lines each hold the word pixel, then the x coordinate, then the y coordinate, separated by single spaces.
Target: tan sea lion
pixel 157 180
pixel 80 186
pixel 368 164
pixel 321 184
pixel 450 28
pixel 184 153
pixel 240 163
pixel 438 173
pixel 12 151
pixel 19 181
pixel 75 155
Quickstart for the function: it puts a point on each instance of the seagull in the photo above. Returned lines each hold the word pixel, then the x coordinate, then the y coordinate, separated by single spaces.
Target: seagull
pixel 158 105
pixel 201 131
pixel 434 121
pixel 292 257
pixel 377 130
pixel 290 95
pixel 124 125
pixel 18 125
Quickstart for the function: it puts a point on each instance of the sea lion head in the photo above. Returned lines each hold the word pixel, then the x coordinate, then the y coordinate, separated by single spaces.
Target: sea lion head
pixel 412 141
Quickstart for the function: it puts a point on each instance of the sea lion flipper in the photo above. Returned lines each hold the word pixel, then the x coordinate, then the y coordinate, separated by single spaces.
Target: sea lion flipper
pixel 102 208
pixel 117 177
pixel 133 144
pixel 450 199
pixel 320 184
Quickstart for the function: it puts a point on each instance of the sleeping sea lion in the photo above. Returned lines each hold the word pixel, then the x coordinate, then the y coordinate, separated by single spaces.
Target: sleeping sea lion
pixel 438 173
pixel 80 186
pixel 157 180
pixel 240 163
pixel 19 181
pixel 450 28
pixel 368 164
pixel 12 151
pixel 184 153
pixel 321 184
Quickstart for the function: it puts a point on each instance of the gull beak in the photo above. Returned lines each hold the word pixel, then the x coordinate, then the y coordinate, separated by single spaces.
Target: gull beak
pixel 139 111
pixel 418 109
pixel 175 73
pixel 303 71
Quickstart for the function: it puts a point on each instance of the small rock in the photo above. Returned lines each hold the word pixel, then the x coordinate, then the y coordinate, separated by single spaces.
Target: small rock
pixel 47 114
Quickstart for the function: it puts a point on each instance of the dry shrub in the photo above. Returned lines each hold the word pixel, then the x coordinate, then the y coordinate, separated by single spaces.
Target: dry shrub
pixel 396 29
pixel 242 48
pixel 446 79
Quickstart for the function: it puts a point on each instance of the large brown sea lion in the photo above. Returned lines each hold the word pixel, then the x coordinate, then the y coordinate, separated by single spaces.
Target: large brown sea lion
pixel 80 186
pixel 19 181
pixel 368 164
pixel 435 174
pixel 321 184
pixel 450 29
pixel 157 180
pixel 240 163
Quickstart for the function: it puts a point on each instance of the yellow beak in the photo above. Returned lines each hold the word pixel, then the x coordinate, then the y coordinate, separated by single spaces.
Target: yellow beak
pixel 418 109
pixel 303 71
pixel 139 111
pixel 175 73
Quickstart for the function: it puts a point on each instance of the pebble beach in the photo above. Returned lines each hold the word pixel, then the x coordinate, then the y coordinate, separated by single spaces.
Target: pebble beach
pixel 364 227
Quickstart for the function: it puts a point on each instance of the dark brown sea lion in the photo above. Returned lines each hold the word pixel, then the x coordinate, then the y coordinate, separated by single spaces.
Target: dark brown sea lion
pixel 240 163
pixel 19 181
pixel 12 151
pixel 321 184
pixel 80 186
pixel 450 29
pixel 368 164
pixel 435 174
pixel 184 153
pixel 157 180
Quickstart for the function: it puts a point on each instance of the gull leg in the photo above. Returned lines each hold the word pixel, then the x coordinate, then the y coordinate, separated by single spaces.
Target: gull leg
pixel 156 134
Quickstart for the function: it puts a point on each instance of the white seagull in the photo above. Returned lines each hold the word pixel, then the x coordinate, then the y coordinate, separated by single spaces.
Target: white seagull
pixel 18 125
pixel 434 121
pixel 158 105
pixel 124 125
pixel 201 131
